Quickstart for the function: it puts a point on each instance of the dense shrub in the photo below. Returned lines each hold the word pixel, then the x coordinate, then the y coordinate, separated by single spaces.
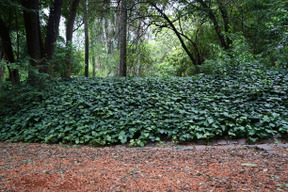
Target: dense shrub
pixel 138 110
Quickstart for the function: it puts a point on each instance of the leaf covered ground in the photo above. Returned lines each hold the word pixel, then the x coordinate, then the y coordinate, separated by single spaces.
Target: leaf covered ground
pixel 42 167
pixel 110 111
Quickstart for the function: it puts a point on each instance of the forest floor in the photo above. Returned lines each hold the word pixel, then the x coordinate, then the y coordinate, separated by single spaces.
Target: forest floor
pixel 42 167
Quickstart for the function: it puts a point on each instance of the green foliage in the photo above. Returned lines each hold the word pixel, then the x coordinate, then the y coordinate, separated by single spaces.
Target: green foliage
pixel 160 50
pixel 59 61
pixel 21 64
pixel 3 73
pixel 278 29
pixel 180 62
pixel 263 23
pixel 139 61
pixel 237 60
pixel 107 111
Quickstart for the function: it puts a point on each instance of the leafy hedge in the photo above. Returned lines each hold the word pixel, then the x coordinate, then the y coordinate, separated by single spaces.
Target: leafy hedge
pixel 138 110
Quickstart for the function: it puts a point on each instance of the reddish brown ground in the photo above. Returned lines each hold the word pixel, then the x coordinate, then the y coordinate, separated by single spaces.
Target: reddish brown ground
pixel 40 167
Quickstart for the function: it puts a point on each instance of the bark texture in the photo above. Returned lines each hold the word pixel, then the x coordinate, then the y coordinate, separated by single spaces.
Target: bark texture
pixel 7 52
pixel 85 7
pixel 123 40
pixel 52 33
pixel 69 34
pixel 33 33
pixel 226 22
pixel 2 68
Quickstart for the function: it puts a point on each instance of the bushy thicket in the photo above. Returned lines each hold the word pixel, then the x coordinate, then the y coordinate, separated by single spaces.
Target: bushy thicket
pixel 139 110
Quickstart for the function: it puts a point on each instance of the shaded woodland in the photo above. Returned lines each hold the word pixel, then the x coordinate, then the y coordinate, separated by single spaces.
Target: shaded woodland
pixel 51 39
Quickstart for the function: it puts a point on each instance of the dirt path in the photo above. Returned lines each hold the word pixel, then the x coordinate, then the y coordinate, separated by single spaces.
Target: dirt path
pixel 41 167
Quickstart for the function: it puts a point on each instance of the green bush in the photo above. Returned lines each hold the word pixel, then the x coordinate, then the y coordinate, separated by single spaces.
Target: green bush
pixel 236 60
pixel 139 110
pixel 59 62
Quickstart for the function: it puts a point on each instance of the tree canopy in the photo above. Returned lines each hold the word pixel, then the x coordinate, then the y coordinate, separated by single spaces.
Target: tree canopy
pixel 169 37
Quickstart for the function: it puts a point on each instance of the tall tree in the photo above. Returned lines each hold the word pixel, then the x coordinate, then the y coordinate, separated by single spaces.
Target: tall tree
pixel 2 67
pixel 38 55
pixel 226 20
pixel 123 40
pixel 33 32
pixel 52 32
pixel 6 47
pixel 69 34
pixel 207 9
pixel 85 7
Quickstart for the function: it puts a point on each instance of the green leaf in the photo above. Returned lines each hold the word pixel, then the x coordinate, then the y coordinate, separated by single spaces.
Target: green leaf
pixel 122 136
pixel 266 119
pixel 199 136
pixel 210 120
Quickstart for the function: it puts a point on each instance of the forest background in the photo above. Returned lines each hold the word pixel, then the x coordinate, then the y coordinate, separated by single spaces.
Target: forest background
pixel 139 38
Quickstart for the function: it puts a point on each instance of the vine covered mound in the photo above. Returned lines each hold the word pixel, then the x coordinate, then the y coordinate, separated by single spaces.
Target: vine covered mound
pixel 139 110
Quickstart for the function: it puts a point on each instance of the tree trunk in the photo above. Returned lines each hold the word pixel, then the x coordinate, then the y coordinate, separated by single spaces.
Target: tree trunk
pixel 2 71
pixel 105 33
pixel 6 46
pixel 215 23
pixel 139 40
pixel 93 66
pixel 69 35
pixel 2 68
pixel 225 18
pixel 33 33
pixel 123 40
pixel 52 34
pixel 85 7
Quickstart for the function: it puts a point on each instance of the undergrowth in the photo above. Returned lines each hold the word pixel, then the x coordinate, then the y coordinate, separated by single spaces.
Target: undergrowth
pixel 106 111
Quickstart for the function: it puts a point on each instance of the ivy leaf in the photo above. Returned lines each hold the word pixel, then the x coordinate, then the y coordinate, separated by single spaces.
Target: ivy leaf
pixel 122 136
